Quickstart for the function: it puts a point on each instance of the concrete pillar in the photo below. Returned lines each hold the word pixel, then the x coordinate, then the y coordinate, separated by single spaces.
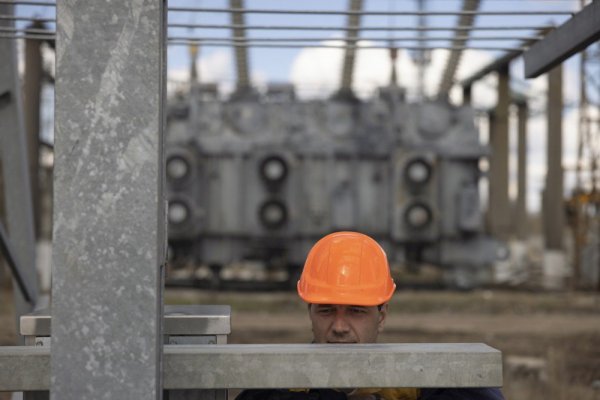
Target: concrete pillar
pixel 499 206
pixel 13 156
pixel 32 85
pixel 554 213
pixel 521 218
pixel 467 95
pixel 4 273
pixel 109 208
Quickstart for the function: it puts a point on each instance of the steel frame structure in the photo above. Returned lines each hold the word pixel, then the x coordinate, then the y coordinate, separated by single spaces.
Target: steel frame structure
pixel 570 38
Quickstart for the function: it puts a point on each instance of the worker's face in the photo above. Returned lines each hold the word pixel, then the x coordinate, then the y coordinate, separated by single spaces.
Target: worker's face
pixel 346 324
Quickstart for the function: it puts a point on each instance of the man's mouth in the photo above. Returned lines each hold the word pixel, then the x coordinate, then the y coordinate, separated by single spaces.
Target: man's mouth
pixel 340 342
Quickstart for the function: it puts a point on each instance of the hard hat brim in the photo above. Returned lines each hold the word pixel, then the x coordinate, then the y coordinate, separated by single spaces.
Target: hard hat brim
pixel 350 298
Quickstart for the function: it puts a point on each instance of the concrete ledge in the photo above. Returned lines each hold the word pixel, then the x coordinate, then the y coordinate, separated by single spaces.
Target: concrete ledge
pixel 178 320
pixel 24 368
pixel 282 366
pixel 339 366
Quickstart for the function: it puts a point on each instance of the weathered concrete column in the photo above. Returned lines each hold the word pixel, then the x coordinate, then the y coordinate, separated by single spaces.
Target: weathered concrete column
pixel 467 90
pixel 13 157
pixel 499 206
pixel 521 220
pixel 109 225
pixel 32 87
pixel 554 213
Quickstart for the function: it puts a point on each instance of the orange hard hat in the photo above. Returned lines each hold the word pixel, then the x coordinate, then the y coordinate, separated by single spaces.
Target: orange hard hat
pixel 346 268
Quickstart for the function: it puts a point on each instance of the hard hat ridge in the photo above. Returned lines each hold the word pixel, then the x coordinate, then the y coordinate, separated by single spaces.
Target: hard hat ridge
pixel 346 268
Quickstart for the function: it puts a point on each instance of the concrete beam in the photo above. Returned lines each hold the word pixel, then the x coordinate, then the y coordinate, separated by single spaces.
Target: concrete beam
pixel 109 207
pixel 501 62
pixel 494 66
pixel 289 366
pixel 571 37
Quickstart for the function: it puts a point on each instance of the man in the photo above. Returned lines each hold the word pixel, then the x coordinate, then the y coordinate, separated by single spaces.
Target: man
pixel 346 283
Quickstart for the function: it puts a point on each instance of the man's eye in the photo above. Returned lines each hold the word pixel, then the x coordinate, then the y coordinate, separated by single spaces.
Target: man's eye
pixel 358 310
pixel 324 311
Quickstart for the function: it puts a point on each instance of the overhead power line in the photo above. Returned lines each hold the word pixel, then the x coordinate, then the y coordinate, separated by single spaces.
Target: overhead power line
pixel 321 12
pixel 372 13
pixel 320 28
pixel 355 38
pixel 325 46
pixel 248 41
pixel 362 28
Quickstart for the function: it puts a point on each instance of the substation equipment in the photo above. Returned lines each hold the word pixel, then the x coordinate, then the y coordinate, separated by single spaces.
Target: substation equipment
pixel 264 176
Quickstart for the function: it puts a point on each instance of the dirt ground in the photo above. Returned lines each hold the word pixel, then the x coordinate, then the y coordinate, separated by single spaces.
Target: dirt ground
pixel 550 341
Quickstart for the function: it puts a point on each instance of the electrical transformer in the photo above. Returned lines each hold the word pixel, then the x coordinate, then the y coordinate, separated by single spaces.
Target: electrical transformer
pixel 263 176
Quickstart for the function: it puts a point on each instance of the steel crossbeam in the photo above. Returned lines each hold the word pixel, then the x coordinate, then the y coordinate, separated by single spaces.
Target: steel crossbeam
pixel 569 38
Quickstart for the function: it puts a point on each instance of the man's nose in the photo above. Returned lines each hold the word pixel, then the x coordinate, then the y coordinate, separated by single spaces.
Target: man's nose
pixel 340 325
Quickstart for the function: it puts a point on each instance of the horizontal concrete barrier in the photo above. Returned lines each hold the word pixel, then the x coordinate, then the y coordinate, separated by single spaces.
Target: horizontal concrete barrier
pixel 291 366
